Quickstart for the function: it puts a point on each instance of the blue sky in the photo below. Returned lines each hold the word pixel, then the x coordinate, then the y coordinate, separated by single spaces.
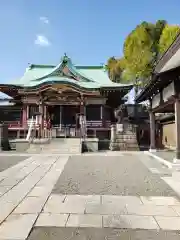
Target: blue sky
pixel 89 31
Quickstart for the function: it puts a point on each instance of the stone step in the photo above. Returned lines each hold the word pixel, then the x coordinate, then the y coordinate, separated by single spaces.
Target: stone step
pixel 65 146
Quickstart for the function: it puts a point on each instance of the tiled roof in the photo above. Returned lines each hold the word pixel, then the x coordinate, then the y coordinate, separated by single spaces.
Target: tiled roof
pixel 88 77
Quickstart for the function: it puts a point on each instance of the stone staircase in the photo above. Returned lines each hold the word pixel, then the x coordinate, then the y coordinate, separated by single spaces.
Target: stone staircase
pixel 57 146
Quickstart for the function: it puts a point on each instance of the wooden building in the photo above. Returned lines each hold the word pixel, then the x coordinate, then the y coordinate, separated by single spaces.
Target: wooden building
pixel 163 92
pixel 63 93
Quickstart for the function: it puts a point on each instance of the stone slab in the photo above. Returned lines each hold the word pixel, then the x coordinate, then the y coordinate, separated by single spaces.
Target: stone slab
pixel 39 191
pixel 18 176
pixel 12 198
pixel 4 189
pixel 116 221
pixel 106 209
pixel 86 220
pixel 9 161
pixel 168 223
pixel 56 204
pixel 120 199
pixel 83 199
pixel 51 220
pixel 17 226
pixel 15 168
pixel 164 201
pixel 44 233
pixel 130 221
pixel 151 210
pixel 173 183
pixel 31 205
pixel 176 209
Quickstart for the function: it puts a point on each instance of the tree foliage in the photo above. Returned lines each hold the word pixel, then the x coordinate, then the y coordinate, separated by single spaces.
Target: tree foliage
pixel 115 68
pixel 167 37
pixel 141 48
pixel 138 51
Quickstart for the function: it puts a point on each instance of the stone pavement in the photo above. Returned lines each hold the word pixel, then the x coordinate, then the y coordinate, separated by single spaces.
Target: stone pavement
pixel 92 196
pixel 25 187
pixel 8 161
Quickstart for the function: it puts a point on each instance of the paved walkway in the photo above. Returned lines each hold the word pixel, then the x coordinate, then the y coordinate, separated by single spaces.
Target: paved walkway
pixel 24 188
pixel 95 196
pixel 7 161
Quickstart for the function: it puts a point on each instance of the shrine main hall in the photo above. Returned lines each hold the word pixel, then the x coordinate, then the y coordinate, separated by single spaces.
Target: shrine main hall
pixel 61 94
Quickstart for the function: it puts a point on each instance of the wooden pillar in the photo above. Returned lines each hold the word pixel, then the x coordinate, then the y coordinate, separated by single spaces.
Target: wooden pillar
pixel 103 115
pixel 27 113
pixel 82 123
pixel 177 128
pixel 24 114
pixel 45 112
pixel 41 120
pixel 45 119
pixel 152 130
pixel 60 116
pixel 101 112
pixel 82 108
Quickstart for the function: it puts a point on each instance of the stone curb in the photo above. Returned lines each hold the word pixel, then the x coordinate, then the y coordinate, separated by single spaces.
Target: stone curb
pixel 161 160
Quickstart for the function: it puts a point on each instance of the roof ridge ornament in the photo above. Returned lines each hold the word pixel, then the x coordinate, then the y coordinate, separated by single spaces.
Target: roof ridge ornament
pixel 65 58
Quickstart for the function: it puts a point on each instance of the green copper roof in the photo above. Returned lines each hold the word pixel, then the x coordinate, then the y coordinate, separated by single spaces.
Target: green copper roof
pixel 87 77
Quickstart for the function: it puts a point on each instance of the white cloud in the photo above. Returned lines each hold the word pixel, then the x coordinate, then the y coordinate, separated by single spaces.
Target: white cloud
pixel 44 20
pixel 42 40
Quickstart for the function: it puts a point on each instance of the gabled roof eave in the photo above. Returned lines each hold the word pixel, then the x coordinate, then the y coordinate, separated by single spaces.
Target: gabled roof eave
pixel 167 55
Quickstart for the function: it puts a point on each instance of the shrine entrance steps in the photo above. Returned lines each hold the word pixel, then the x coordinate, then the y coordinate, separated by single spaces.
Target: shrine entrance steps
pixel 57 146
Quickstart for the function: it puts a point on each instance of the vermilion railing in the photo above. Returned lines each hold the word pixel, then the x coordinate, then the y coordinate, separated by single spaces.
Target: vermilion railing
pixel 18 124
pixel 89 124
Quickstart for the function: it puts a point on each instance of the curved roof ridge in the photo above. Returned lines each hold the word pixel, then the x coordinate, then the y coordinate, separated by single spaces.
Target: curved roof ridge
pixel 44 75
pixel 75 71
pixel 52 71
pixel 41 66
pixel 59 66
pixel 89 66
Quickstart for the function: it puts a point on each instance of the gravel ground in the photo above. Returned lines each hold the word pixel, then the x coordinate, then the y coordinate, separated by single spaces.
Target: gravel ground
pixel 8 161
pixel 124 175
pixel 99 234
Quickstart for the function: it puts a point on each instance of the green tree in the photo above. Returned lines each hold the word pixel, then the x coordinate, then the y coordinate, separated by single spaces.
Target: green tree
pixel 156 32
pixel 141 48
pixel 168 35
pixel 115 68
pixel 138 52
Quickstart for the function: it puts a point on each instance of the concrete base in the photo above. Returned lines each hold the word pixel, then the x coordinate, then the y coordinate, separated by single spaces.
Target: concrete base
pixel 41 141
pixel 91 144
pixel 21 145
pixel 152 150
